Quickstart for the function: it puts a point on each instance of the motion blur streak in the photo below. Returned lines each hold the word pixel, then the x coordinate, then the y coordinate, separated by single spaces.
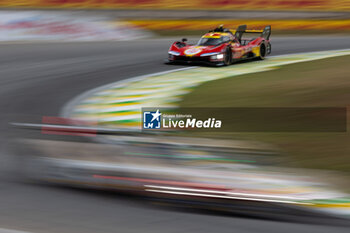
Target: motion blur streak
pixel 162 182
pixel 219 196
pixel 184 4
pixel 58 129
pixel 218 192
pixel 64 26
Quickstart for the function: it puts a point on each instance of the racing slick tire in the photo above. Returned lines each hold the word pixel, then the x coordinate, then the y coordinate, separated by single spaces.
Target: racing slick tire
pixel 262 53
pixel 228 57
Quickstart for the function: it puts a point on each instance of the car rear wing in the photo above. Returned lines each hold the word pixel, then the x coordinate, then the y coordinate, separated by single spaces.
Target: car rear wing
pixel 266 32
pixel 243 29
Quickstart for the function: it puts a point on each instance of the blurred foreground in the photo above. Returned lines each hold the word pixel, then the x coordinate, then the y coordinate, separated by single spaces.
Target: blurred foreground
pixel 199 173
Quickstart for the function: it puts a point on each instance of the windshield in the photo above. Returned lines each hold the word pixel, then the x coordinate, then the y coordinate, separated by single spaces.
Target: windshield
pixel 210 41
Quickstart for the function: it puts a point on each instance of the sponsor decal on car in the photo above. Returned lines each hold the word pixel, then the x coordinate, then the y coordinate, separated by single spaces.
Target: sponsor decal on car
pixel 192 51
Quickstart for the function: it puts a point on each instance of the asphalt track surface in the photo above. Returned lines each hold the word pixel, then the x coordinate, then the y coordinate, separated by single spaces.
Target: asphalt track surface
pixel 39 78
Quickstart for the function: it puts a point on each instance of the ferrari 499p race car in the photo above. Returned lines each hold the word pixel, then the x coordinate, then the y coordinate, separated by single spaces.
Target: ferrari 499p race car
pixel 222 47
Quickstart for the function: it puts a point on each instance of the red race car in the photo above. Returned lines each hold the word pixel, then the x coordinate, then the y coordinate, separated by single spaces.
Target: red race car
pixel 222 47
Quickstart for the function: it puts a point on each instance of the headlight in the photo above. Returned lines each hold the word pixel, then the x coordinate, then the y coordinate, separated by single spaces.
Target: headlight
pixel 174 53
pixel 220 56
pixel 217 56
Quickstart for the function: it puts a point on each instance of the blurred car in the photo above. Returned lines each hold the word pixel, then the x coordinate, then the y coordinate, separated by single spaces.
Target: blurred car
pixel 222 47
pixel 203 173
pixel 182 172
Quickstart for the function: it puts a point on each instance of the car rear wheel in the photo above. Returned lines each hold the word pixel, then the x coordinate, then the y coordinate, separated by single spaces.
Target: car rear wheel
pixel 228 57
pixel 262 52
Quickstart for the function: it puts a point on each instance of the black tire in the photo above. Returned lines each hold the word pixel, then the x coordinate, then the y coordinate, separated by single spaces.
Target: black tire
pixel 228 57
pixel 262 52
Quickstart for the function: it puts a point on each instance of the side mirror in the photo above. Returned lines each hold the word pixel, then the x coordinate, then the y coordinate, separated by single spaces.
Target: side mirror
pixel 184 40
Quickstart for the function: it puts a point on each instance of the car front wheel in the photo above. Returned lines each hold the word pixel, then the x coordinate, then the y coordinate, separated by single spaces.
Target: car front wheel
pixel 228 57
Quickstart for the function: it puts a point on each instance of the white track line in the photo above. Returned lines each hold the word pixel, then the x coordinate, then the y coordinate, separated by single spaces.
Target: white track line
pixel 5 230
